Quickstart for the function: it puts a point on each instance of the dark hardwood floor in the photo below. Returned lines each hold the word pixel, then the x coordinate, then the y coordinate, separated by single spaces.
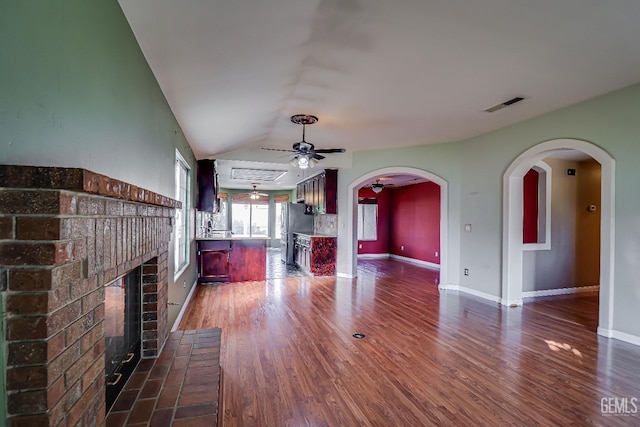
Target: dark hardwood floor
pixel 289 357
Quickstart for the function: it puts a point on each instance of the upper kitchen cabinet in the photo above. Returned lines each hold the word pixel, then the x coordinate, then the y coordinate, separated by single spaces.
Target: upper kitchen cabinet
pixel 319 193
pixel 207 186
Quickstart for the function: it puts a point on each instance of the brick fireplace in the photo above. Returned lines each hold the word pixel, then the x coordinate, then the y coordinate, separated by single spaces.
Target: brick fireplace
pixel 64 234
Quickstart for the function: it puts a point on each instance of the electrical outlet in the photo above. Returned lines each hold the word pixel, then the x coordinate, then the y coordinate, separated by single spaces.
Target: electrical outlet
pixel 402 248
pixel 466 271
pixel 436 254
pixel 360 246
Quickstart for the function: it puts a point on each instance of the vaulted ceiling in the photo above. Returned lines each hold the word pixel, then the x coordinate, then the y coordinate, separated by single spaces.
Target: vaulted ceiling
pixel 377 73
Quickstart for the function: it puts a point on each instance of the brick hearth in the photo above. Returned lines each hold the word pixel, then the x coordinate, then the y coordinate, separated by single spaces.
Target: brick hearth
pixel 64 234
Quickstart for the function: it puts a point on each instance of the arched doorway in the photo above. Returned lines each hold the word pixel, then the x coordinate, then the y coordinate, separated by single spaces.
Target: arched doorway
pixel 352 206
pixel 512 257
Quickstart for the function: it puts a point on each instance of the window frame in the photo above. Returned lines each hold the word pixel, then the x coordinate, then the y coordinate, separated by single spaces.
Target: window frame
pixel 365 210
pixel 181 256
pixel 544 209
pixel 239 196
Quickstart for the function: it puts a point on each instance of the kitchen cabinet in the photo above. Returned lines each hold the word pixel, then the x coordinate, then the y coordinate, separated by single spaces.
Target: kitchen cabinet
pixel 213 260
pixel 319 193
pixel 231 260
pixel 315 255
pixel 302 248
pixel 207 187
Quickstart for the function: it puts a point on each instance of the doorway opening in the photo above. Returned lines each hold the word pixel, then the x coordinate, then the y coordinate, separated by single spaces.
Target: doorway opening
pixel 514 248
pixel 370 242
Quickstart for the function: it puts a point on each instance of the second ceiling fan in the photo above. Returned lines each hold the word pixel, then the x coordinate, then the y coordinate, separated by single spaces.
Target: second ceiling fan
pixel 306 154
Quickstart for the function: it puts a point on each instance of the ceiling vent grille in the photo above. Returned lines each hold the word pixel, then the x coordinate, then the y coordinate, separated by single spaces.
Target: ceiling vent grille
pixel 256 174
pixel 503 104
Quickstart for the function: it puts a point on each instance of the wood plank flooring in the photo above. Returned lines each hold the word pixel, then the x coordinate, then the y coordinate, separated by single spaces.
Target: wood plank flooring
pixel 289 358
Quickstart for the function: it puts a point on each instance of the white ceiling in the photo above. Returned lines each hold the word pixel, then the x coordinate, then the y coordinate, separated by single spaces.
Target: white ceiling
pixel 377 73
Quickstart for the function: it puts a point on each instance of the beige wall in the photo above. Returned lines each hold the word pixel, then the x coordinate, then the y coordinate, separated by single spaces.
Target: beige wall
pixel 573 259
pixel 588 224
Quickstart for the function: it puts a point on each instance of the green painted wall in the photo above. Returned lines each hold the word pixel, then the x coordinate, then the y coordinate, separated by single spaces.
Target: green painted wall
pixel 610 122
pixel 475 167
pixel 76 91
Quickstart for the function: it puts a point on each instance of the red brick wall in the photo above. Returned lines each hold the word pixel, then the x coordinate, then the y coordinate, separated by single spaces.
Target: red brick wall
pixel 58 248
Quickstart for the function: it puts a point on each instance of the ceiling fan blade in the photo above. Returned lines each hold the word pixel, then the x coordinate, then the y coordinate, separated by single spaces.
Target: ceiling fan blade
pixel 330 150
pixel 317 156
pixel 263 194
pixel 277 149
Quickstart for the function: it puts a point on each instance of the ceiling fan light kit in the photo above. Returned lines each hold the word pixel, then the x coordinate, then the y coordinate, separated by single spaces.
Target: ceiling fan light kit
pixel 306 154
pixel 377 187
pixel 254 195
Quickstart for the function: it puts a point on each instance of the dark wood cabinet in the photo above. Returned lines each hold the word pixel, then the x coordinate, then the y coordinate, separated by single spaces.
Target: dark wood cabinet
pixel 213 260
pixel 319 193
pixel 315 255
pixel 236 260
pixel 207 187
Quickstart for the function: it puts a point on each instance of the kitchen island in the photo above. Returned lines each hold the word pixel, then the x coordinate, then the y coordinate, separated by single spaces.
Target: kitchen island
pixel 231 259
pixel 315 254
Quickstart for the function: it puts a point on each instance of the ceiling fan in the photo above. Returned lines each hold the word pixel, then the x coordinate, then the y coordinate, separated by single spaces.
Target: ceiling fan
pixel 377 186
pixel 255 195
pixel 306 154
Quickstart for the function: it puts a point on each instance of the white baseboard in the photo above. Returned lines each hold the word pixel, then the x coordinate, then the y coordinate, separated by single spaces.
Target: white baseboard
pixel 346 276
pixel 622 336
pixel 470 291
pixel 415 261
pixel 559 291
pixel 373 256
pixel 512 302
pixel 184 307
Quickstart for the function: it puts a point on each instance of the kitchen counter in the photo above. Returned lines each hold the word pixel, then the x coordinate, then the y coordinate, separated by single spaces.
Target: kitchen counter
pixel 224 235
pixel 314 235
pixel 231 259
pixel 232 238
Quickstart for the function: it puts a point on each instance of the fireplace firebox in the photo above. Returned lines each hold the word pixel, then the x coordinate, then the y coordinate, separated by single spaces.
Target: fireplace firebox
pixel 122 331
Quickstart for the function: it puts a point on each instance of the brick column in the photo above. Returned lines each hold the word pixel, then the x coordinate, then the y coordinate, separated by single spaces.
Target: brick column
pixel 58 248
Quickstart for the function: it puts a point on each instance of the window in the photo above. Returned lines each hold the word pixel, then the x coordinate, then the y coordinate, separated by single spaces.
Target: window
pixel 249 217
pixel 368 219
pixel 208 221
pixel 183 177
pixel 536 207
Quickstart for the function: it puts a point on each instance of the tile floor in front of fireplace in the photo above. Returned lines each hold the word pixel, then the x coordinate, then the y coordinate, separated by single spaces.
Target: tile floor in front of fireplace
pixel 180 388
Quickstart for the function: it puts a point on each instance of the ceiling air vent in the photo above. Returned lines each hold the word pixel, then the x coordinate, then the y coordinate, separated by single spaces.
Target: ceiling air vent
pixel 256 174
pixel 504 104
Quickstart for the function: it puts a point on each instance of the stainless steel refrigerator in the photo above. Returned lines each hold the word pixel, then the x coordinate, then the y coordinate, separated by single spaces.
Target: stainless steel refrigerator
pixel 293 220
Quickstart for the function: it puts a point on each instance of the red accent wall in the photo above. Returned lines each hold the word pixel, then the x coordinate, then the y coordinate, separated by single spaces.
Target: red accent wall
pixel 530 207
pixel 415 222
pixel 380 246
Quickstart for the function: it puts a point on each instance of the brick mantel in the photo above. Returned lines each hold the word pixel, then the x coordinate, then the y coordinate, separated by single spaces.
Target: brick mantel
pixel 64 234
